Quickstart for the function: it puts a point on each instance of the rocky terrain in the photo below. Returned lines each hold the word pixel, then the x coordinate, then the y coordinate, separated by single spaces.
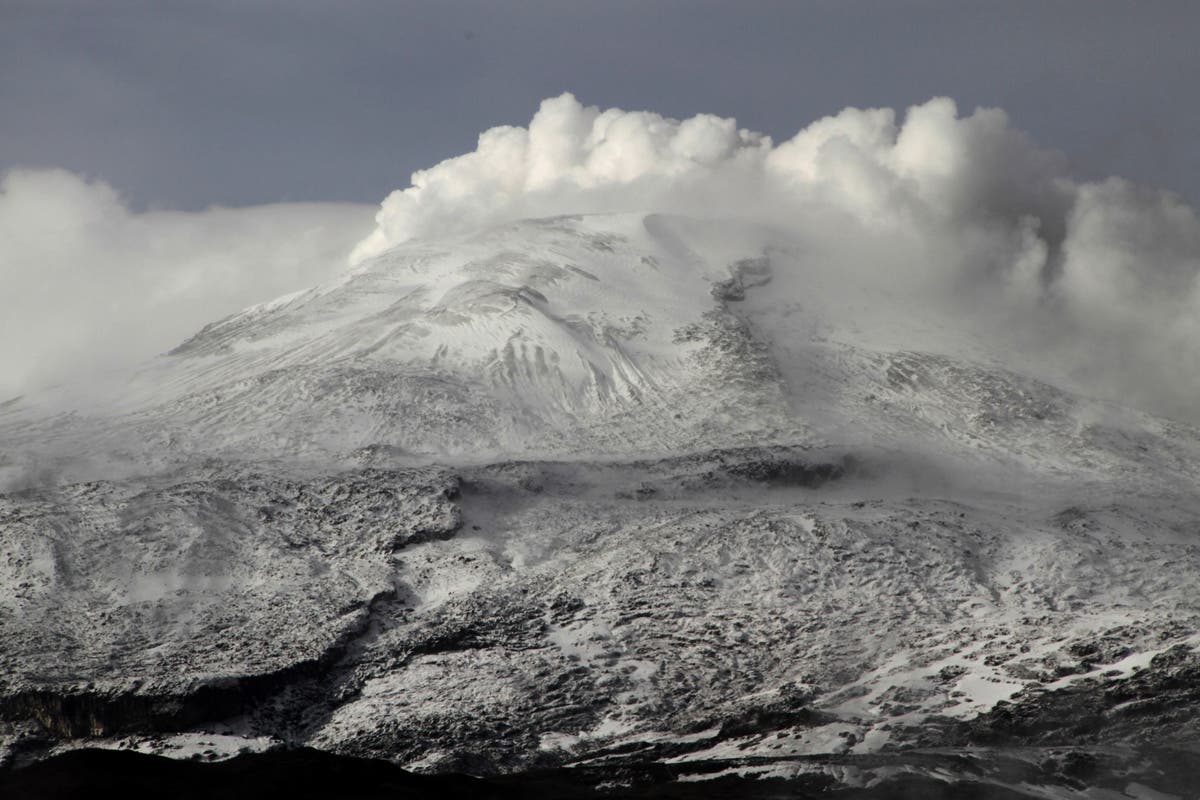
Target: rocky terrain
pixel 594 496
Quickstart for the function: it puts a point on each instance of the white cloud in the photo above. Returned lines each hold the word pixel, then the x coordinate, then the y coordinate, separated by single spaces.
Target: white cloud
pixel 1097 280
pixel 575 158
pixel 86 284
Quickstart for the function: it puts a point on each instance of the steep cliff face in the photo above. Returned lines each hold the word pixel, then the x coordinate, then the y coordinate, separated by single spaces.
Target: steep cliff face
pixel 597 491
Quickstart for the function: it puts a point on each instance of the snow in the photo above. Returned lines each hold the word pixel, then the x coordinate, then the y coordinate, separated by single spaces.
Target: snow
pixel 207 746
pixel 633 535
pixel 1140 791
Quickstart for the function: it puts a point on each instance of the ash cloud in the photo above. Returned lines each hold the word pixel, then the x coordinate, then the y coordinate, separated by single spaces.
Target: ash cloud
pixel 88 285
pixel 1095 282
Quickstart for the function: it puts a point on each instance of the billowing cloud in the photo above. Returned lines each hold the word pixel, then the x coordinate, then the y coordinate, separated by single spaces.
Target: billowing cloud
pixel 1093 283
pixel 86 284
pixel 1094 280
pixel 581 159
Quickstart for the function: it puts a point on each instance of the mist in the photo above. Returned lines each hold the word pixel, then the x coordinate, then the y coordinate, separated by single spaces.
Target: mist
pixel 88 285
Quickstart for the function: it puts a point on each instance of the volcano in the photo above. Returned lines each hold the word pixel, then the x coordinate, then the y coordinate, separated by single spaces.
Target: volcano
pixel 615 495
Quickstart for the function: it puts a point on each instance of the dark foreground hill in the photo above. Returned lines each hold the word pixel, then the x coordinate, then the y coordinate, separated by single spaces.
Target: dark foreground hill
pixel 303 773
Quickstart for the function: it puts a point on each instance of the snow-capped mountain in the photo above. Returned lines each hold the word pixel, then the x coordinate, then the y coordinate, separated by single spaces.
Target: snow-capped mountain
pixel 604 490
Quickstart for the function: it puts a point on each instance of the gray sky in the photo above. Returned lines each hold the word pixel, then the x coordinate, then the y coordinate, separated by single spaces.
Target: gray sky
pixel 185 104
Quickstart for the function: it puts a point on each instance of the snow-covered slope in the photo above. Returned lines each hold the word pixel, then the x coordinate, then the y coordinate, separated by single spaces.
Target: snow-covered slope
pixel 585 336
pixel 552 336
pixel 602 487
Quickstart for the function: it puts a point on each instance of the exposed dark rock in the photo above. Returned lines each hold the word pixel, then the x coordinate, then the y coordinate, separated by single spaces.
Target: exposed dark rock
pixel 84 712
pixel 976 775
pixel 1164 696
pixel 788 473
